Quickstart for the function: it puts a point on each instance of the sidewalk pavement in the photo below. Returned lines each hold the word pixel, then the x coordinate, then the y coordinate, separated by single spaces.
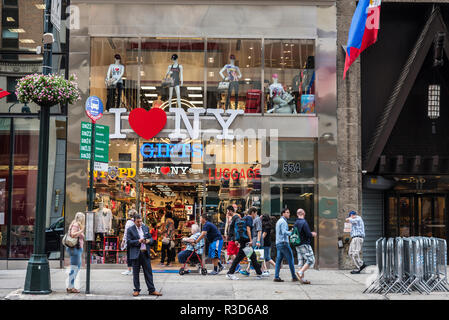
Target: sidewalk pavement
pixel 110 284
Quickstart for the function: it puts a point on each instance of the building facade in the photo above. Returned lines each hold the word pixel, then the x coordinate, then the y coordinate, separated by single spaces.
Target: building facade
pixel 283 154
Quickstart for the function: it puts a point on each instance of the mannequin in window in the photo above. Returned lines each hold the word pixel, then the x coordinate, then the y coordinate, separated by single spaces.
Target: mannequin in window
pixel 175 72
pixel 282 101
pixel 103 224
pixel 233 77
pixel 114 82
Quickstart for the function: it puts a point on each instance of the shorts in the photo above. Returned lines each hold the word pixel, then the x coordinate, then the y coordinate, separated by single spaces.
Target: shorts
pixel 267 253
pixel 232 250
pixel 305 255
pixel 215 249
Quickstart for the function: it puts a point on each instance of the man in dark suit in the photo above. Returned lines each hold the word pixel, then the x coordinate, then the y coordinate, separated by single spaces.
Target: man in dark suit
pixel 139 242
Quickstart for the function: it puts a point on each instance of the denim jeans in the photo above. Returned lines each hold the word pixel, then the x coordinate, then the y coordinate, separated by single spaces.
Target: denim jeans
pixel 75 264
pixel 284 251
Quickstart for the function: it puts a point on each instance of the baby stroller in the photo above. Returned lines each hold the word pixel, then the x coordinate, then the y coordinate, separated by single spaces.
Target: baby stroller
pixel 194 257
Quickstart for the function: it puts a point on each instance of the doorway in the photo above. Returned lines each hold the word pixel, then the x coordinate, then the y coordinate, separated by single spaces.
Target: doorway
pixel 416 215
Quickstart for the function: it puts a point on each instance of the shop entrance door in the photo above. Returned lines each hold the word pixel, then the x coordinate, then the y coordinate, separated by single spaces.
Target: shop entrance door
pixel 417 215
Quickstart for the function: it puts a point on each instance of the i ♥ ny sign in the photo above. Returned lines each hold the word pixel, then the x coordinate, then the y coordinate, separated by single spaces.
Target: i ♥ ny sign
pixel 147 124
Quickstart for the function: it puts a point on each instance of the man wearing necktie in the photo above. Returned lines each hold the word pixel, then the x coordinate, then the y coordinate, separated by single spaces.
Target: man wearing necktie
pixel 139 242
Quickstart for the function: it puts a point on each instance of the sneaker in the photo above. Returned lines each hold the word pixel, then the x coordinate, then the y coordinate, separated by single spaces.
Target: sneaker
pixel 259 277
pixel 244 272
pixel 127 272
pixel 363 266
pixel 355 271
pixel 237 269
pixel 231 277
pixel 278 280
pixel 213 273
pixel 265 274
pixel 220 268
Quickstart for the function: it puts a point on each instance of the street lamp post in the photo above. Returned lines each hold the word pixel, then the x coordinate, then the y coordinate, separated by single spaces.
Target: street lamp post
pixel 37 279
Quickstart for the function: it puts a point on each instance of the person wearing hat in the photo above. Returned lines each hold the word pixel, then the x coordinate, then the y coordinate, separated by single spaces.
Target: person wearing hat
pixel 357 236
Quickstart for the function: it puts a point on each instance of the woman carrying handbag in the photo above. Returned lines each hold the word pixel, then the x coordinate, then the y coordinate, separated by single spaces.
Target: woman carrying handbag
pixel 76 230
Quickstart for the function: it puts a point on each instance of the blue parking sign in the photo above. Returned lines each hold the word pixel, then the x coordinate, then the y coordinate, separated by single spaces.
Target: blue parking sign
pixel 94 108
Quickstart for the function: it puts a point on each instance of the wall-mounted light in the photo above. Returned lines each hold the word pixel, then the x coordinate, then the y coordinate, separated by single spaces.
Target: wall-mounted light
pixel 433 104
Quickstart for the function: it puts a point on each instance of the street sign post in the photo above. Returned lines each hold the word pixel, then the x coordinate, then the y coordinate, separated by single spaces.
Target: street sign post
pixel 96 139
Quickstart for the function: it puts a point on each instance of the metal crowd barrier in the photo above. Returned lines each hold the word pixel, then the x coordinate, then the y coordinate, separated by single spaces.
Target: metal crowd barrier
pixel 410 264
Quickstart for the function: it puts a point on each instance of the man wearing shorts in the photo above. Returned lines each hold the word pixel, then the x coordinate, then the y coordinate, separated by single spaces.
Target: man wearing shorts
pixel 306 258
pixel 215 242
pixel 232 249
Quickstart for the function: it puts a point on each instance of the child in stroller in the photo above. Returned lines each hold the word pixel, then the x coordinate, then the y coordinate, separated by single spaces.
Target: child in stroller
pixel 192 253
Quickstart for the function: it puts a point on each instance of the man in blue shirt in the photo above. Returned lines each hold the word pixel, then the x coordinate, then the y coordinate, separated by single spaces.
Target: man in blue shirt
pixel 215 242
pixel 283 246
pixel 306 258
pixel 357 236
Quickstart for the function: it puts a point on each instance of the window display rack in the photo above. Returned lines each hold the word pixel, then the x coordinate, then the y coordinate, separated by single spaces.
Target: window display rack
pixel 110 253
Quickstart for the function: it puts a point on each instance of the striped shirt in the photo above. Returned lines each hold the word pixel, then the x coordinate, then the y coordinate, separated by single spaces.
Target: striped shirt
pixel 358 227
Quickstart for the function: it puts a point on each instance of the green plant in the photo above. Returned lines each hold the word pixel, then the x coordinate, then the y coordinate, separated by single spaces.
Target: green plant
pixel 47 90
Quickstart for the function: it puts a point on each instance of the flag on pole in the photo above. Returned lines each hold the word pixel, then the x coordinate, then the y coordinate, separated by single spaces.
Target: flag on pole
pixel 363 30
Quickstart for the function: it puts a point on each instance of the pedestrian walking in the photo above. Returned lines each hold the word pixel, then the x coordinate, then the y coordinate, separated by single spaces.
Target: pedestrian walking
pixel 139 241
pixel 243 238
pixel 357 236
pixel 306 258
pixel 76 230
pixel 283 246
pixel 215 240
pixel 256 234
pixel 267 228
pixel 232 248
pixel 168 244
pixel 129 223
pixel 153 233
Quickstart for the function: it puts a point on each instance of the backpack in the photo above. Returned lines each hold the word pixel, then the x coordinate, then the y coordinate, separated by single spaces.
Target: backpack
pixel 295 239
pixel 240 230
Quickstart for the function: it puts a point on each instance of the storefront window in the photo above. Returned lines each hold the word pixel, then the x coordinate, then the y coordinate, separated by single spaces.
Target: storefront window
pixel 178 59
pixel 26 138
pixel 115 72
pixel 289 76
pixel 234 74
pixel 5 149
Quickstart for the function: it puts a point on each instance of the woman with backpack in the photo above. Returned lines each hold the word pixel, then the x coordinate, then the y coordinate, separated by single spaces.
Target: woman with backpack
pixel 76 230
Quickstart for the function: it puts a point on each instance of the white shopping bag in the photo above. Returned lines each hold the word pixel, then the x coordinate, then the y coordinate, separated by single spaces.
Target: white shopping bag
pixel 259 254
pixel 348 227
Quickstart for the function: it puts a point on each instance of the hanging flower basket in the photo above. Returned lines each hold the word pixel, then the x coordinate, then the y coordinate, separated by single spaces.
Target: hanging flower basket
pixel 47 90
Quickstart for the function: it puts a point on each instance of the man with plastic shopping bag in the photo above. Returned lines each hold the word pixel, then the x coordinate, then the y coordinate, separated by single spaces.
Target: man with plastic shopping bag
pixel 243 239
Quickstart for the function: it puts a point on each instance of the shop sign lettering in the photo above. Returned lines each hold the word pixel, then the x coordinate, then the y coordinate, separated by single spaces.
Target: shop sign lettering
pixel 234 173
pixel 168 150
pixel 193 129
pixel 115 172
pixel 170 170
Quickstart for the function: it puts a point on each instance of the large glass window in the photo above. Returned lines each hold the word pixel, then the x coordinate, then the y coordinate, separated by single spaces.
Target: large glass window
pixel 209 73
pixel 289 76
pixel 234 74
pixel 180 60
pixel 23 211
pixel 5 149
pixel 115 72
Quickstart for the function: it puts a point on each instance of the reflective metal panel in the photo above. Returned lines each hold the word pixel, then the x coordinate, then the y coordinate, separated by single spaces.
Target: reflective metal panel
pixel 326 88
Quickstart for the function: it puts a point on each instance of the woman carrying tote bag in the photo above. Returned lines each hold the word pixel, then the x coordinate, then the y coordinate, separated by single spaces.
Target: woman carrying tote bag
pixel 76 230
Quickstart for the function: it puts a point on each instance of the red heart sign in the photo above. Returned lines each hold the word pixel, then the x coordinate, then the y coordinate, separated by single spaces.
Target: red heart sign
pixel 165 170
pixel 147 124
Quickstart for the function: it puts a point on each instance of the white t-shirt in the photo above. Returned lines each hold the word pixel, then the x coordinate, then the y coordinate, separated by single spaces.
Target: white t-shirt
pixel 116 72
pixel 276 89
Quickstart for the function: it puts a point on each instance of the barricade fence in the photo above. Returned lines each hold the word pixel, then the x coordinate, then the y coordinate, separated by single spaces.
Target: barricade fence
pixel 410 264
